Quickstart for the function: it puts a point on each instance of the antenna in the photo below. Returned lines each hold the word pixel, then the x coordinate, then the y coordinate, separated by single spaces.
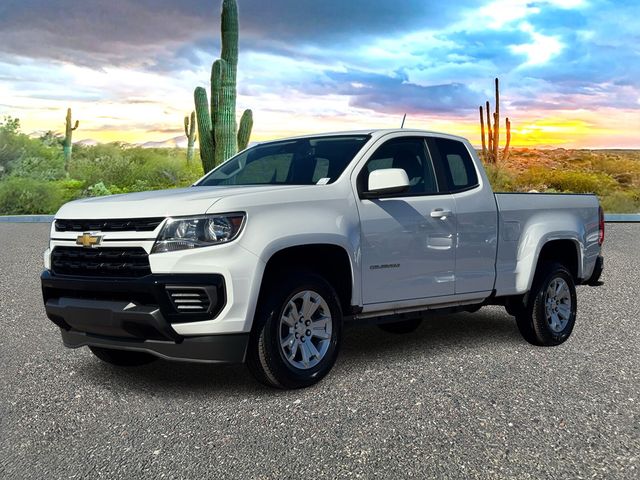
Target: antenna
pixel 403 119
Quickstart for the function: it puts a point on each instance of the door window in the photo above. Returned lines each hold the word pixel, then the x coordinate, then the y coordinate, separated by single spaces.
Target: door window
pixel 457 165
pixel 408 153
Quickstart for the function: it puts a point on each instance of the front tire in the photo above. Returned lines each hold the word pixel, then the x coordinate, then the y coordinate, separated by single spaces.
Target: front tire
pixel 296 333
pixel 122 358
pixel 550 314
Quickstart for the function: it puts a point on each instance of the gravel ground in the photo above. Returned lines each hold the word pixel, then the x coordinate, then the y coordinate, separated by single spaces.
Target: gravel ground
pixel 463 397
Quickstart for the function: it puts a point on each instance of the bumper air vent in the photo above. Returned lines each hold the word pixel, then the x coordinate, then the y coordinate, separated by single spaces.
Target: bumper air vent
pixel 190 299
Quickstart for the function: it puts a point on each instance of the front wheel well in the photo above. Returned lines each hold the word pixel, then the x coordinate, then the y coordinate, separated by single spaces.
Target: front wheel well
pixel 330 261
pixel 564 252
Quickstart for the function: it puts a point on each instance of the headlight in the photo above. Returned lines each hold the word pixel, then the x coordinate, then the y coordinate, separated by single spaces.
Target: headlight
pixel 201 231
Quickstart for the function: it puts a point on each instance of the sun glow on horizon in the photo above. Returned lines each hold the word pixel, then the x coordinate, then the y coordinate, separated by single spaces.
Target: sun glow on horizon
pixel 583 129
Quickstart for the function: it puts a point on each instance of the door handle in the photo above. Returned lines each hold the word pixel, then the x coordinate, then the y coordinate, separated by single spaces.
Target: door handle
pixel 440 213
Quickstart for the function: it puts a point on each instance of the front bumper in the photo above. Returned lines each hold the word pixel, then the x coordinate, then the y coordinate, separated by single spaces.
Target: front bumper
pixel 137 314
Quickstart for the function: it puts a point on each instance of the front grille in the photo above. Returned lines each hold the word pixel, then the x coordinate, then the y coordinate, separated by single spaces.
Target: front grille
pixel 110 225
pixel 100 262
pixel 189 299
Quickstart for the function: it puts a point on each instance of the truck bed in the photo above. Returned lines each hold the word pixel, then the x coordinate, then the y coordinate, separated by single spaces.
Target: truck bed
pixel 543 216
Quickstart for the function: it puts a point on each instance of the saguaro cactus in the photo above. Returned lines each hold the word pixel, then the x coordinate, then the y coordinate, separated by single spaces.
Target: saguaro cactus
pixel 491 146
pixel 505 153
pixel 190 132
pixel 67 144
pixel 219 137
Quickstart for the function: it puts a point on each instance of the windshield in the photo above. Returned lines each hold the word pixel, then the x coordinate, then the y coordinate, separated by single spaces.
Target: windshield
pixel 304 161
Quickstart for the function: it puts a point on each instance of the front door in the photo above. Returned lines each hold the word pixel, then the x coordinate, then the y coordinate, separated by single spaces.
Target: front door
pixel 408 239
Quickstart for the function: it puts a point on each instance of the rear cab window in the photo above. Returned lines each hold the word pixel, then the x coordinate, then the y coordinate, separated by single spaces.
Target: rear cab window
pixel 456 170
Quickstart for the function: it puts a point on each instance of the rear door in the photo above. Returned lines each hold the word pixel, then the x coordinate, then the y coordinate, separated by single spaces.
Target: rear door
pixel 476 214
pixel 408 239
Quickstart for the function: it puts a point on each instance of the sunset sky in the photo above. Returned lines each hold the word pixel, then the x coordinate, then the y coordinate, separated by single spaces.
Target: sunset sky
pixel 570 69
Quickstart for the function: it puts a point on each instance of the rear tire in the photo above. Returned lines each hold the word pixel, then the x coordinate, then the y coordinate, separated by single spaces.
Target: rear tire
pixel 122 358
pixel 400 328
pixel 550 312
pixel 297 331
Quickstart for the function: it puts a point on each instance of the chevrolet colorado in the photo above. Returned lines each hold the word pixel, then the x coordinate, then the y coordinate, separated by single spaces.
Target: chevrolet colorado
pixel 263 259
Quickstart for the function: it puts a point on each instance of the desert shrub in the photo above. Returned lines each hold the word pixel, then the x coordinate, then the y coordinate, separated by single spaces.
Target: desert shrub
pixel 121 169
pixel 625 170
pixel 69 189
pixel 44 165
pixel 621 202
pixel 98 190
pixel 101 163
pixel 573 181
pixel 20 196
pixel 27 157
pixel 501 179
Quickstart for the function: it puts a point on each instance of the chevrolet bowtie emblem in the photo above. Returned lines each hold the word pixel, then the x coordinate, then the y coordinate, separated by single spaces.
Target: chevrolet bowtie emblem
pixel 88 240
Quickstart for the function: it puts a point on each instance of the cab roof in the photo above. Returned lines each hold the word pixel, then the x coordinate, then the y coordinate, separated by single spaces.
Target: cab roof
pixel 375 133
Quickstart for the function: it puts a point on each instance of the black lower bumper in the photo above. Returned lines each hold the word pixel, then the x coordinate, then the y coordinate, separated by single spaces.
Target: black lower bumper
pixel 137 314
pixel 149 290
pixel 205 349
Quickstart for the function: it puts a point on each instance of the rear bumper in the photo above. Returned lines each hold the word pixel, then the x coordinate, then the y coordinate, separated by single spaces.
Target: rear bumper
pixel 137 314
pixel 594 280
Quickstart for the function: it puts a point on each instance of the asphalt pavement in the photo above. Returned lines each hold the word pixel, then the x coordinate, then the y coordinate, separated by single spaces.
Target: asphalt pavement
pixel 463 397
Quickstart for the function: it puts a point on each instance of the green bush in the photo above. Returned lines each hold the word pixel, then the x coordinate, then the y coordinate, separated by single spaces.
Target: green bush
pixel 28 157
pixel 621 202
pixel 22 196
pixel 570 181
pixel 501 179
pixel 99 190
pixel 70 189
pixel 46 165
pixel 123 170
pixel 625 170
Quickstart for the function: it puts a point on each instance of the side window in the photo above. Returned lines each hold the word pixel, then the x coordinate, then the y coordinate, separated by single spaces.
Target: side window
pixel 458 170
pixel 408 153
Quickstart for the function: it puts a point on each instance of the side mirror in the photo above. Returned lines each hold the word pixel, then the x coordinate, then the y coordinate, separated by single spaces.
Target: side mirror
pixel 386 181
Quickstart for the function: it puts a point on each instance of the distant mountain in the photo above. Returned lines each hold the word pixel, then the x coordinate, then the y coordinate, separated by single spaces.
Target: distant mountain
pixel 175 142
pixel 38 133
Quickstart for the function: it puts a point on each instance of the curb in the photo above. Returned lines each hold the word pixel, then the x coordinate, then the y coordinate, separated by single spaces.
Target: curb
pixel 609 218
pixel 26 218
pixel 622 217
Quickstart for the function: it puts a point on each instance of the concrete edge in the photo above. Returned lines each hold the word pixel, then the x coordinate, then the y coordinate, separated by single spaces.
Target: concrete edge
pixel 622 217
pixel 609 217
pixel 26 218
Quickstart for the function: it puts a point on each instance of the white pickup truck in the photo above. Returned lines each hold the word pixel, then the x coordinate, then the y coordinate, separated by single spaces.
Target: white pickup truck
pixel 263 259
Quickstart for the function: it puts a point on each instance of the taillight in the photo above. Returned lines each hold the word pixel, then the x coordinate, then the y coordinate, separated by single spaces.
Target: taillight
pixel 601 233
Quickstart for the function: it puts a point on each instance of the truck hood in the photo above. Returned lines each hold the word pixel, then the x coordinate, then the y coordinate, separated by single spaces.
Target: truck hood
pixel 159 203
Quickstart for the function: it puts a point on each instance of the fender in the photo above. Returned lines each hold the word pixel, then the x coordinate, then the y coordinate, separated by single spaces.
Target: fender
pixel 539 231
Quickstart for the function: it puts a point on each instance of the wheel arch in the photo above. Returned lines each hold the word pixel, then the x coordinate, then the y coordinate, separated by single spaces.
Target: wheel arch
pixel 565 251
pixel 331 261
